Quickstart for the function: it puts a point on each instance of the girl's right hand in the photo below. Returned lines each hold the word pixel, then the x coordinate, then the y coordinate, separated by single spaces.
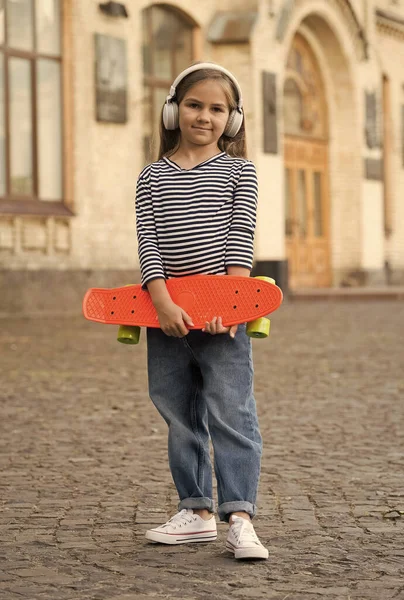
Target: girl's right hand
pixel 173 319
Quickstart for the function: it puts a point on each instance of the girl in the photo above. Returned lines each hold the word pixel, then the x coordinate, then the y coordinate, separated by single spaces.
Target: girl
pixel 195 214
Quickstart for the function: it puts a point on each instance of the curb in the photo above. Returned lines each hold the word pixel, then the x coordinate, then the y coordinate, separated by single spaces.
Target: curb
pixel 388 293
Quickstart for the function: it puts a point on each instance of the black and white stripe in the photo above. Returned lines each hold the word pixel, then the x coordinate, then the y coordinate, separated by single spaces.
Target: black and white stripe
pixel 197 221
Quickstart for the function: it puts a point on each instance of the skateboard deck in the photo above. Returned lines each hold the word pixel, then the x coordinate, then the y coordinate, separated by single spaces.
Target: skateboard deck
pixel 235 299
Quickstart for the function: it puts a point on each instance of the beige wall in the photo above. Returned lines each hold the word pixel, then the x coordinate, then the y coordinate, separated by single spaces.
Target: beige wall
pixel 108 157
pixel 332 45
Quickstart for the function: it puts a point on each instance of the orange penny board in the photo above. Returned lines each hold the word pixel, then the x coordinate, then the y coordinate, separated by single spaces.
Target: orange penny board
pixel 235 299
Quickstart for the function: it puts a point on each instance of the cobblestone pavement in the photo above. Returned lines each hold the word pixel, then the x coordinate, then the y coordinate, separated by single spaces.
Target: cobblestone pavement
pixel 83 469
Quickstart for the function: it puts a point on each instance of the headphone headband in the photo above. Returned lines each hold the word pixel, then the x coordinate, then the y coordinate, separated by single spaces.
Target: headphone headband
pixel 206 65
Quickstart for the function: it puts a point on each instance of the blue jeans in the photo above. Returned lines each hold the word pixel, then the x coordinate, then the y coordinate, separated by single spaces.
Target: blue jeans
pixel 202 385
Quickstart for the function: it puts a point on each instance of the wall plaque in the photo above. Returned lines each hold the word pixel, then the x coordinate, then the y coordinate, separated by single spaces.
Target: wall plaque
pixel 110 79
pixel 269 112
pixel 373 169
pixel 371 121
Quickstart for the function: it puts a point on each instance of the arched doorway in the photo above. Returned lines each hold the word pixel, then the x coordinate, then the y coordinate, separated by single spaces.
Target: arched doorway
pixel 307 227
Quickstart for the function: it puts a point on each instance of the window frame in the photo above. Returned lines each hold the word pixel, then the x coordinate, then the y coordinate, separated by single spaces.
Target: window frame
pixel 15 204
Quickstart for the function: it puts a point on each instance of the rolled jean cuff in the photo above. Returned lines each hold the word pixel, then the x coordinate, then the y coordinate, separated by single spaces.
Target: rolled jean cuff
pixel 227 508
pixel 198 504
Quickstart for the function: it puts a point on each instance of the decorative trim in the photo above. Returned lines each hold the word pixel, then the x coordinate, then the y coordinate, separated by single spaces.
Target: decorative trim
pixel 389 23
pixel 345 8
pixel 384 15
pixel 61 234
pixel 7 235
pixel 231 27
pixel 34 207
pixel 33 234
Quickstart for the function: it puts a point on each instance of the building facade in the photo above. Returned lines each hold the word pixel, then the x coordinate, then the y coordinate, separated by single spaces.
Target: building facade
pixel 82 85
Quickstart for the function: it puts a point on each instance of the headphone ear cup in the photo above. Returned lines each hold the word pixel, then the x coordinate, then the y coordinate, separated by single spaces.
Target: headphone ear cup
pixel 170 115
pixel 234 123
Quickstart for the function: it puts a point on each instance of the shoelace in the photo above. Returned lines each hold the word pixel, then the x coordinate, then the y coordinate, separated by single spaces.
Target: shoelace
pixel 182 518
pixel 243 528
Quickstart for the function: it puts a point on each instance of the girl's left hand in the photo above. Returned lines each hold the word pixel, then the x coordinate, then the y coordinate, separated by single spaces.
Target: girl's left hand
pixel 216 326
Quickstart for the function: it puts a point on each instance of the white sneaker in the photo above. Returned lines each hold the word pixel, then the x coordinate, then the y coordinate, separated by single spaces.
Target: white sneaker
pixel 183 528
pixel 243 541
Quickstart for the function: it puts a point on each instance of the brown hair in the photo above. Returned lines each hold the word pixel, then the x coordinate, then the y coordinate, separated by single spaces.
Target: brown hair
pixel 233 146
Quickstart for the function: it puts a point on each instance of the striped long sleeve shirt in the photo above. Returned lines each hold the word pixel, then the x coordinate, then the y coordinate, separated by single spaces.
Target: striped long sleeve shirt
pixel 196 221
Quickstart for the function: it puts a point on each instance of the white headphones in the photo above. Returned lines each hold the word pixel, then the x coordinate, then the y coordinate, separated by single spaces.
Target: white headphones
pixel 171 111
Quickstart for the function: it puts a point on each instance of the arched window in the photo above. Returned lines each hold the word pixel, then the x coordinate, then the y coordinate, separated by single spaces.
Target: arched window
pixel 293 107
pixel 168 48
pixel 304 102
pixel 30 103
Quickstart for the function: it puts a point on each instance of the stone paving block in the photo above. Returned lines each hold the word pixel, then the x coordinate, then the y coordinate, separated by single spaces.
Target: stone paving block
pixel 17 592
pixel 87 473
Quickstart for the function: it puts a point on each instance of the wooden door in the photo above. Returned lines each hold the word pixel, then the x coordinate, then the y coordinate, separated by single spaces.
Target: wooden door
pixel 307 228
pixel 306 214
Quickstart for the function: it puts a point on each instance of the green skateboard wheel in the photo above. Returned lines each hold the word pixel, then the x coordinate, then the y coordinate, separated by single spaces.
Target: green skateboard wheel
pixel 259 328
pixel 128 334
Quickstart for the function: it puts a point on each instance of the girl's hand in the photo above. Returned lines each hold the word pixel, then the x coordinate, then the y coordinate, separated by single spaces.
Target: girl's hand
pixel 173 319
pixel 216 326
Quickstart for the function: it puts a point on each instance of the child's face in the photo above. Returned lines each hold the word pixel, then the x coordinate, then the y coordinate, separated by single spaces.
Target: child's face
pixel 203 113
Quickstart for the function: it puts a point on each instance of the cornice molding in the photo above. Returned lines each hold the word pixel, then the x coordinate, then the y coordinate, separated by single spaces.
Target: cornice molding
pixel 389 23
pixel 231 27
